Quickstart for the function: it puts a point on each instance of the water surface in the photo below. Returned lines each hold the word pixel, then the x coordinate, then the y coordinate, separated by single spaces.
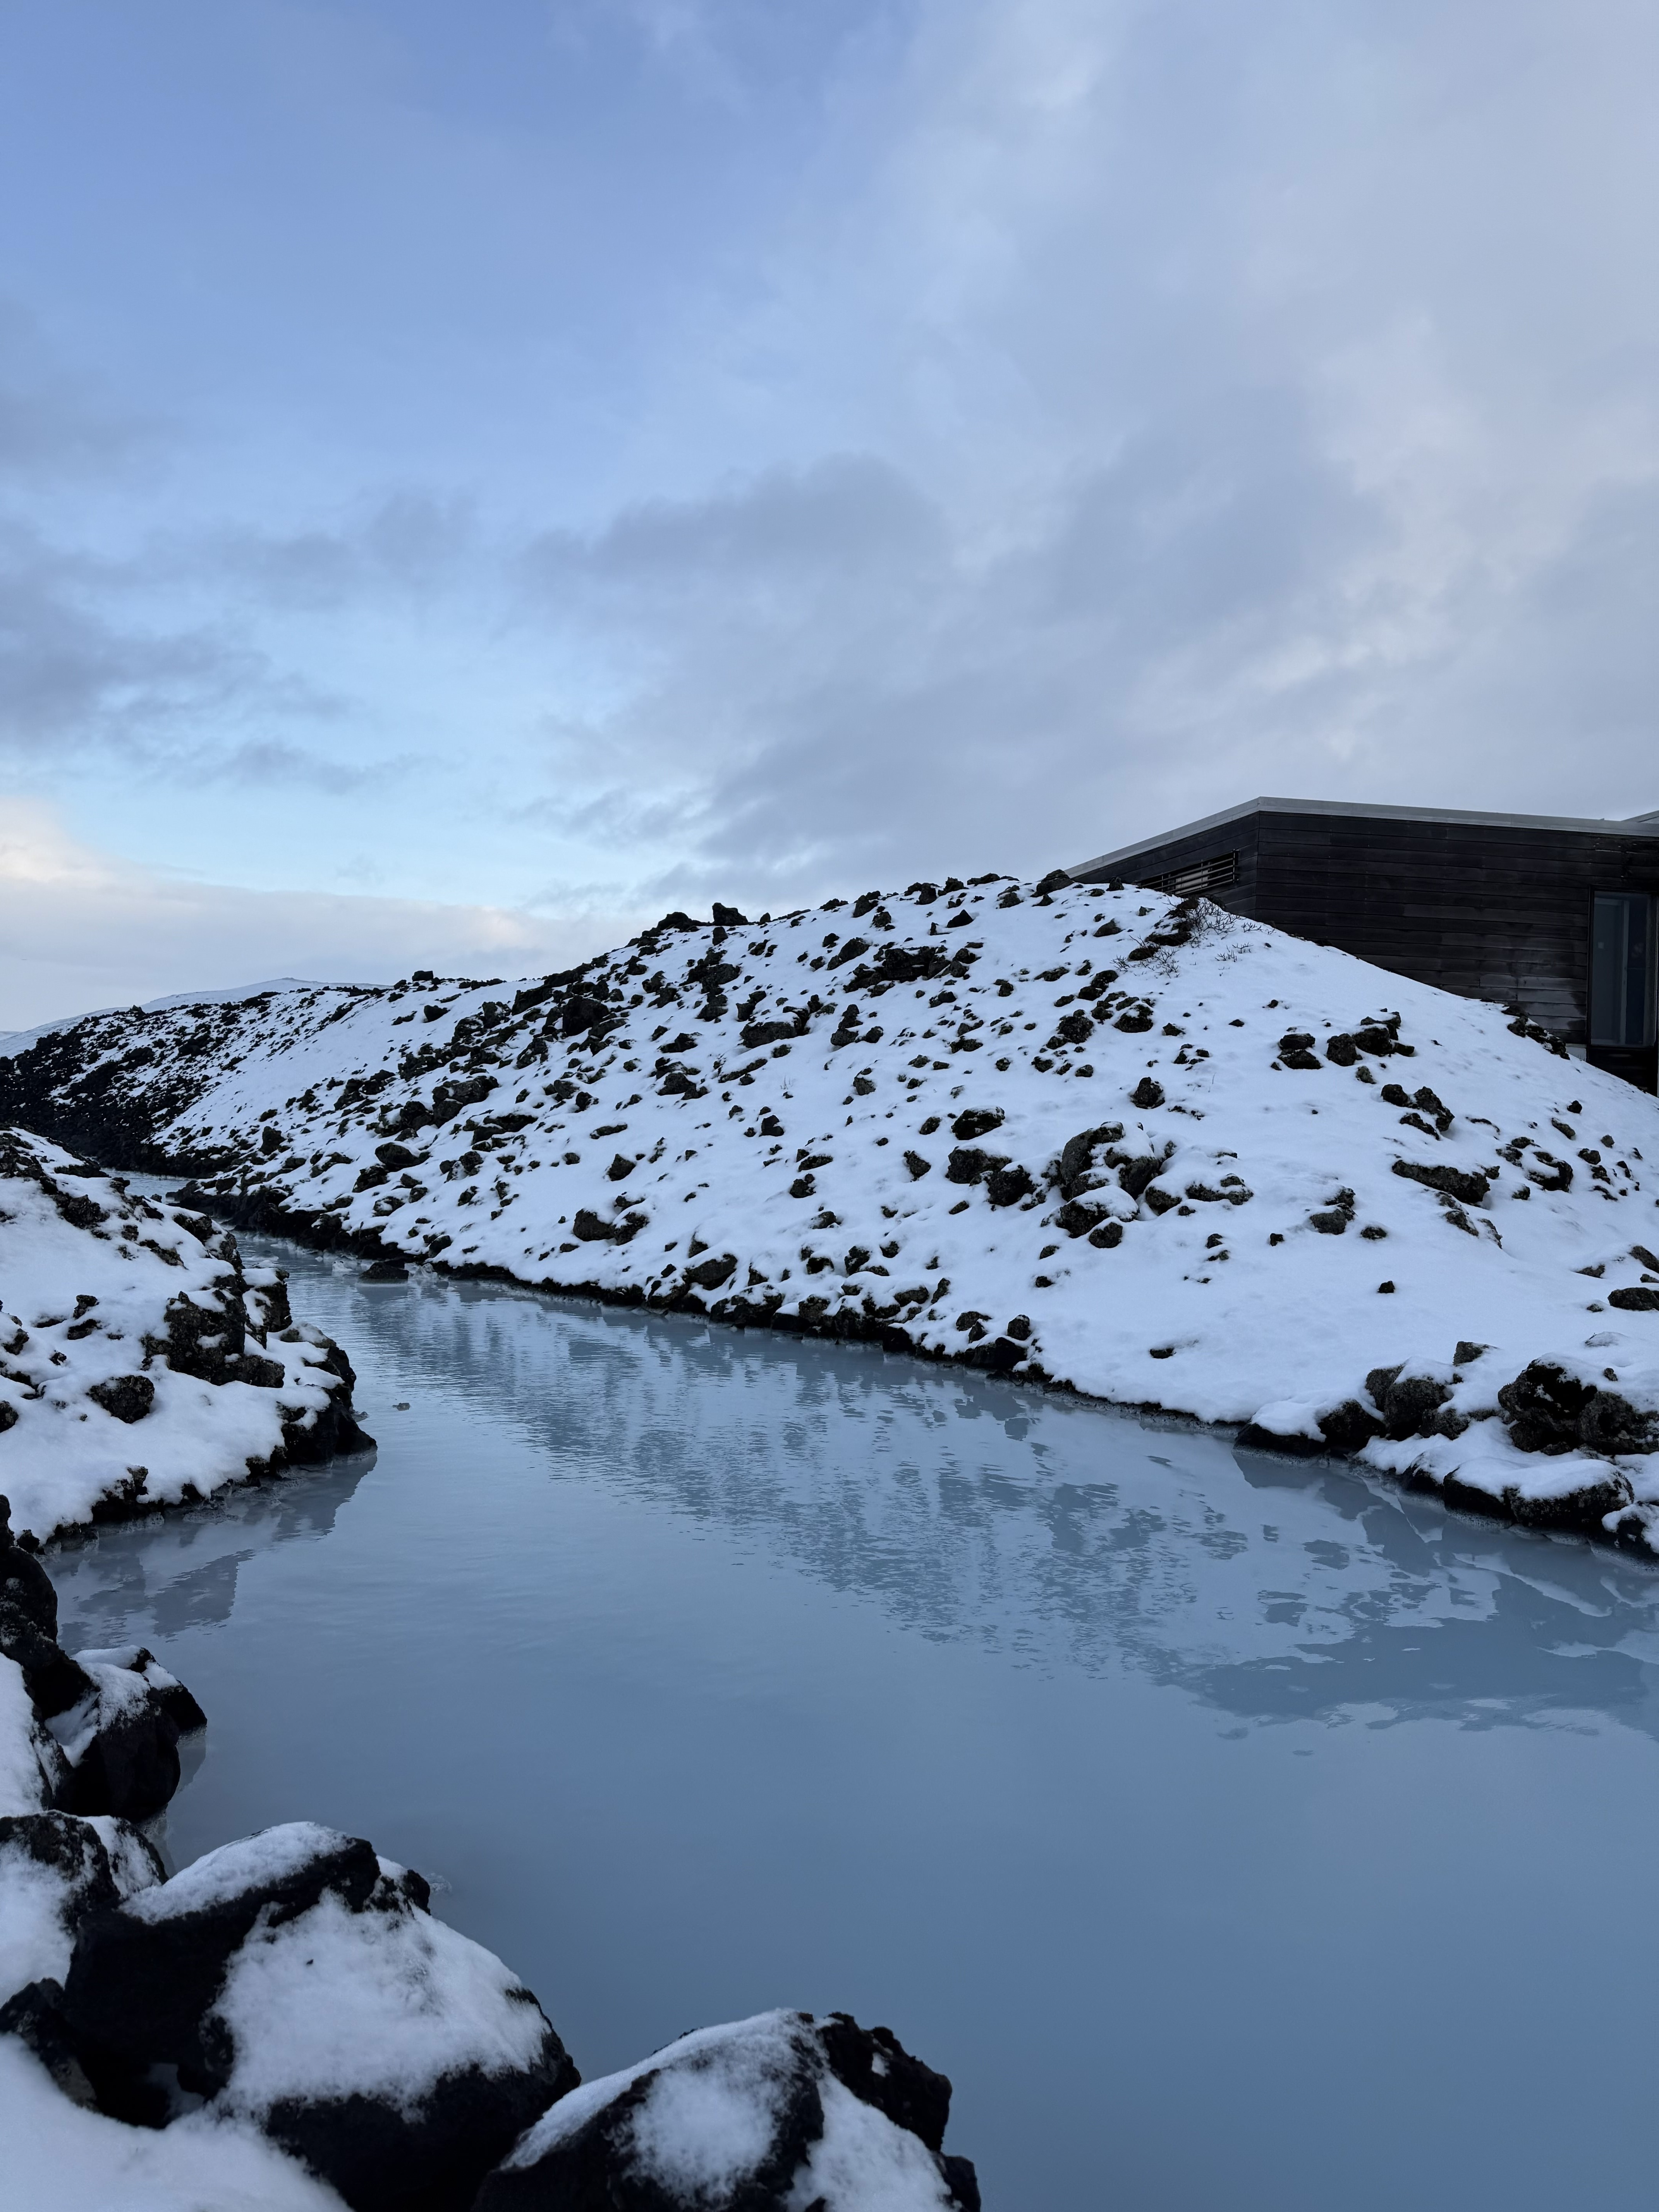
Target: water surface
pixel 1234 1835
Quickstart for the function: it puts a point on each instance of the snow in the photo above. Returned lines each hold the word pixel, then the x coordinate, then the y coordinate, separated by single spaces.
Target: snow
pixel 382 2002
pixel 34 1940
pixel 15 1041
pixel 219 1876
pixel 818 1162
pixel 88 1271
pixel 132 1861
pixel 60 2157
pixel 28 1755
pixel 707 2119
pixel 863 2163
pixel 716 2108
pixel 116 1691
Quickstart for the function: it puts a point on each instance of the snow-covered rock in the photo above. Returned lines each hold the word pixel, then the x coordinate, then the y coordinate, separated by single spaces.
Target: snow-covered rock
pixel 55 1870
pixel 120 1743
pixel 291 1985
pixel 141 1364
pixel 299 1983
pixel 780 2113
pixel 1094 1136
pixel 59 1872
pixel 287 2016
pixel 102 1729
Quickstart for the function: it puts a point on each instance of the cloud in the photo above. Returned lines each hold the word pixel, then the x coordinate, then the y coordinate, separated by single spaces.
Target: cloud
pixel 947 434
pixel 1249 403
pixel 79 930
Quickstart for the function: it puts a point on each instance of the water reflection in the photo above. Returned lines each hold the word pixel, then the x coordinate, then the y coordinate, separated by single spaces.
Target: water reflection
pixel 1201 1815
pixel 1052 1531
pixel 148 1580
pixel 1043 1530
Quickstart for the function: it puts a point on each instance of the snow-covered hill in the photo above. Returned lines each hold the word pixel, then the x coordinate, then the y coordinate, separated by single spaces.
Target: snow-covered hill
pixel 1090 1136
pixel 140 1363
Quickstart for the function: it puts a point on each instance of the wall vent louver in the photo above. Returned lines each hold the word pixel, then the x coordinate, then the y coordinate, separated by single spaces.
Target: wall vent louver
pixel 1204 876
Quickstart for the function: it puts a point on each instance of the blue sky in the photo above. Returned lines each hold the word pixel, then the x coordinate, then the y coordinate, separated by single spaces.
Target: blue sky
pixel 471 478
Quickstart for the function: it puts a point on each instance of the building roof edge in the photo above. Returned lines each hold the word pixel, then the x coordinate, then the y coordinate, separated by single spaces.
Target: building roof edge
pixel 1637 825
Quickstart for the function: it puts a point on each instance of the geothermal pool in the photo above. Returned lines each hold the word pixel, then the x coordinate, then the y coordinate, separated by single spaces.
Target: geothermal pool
pixel 1234 1835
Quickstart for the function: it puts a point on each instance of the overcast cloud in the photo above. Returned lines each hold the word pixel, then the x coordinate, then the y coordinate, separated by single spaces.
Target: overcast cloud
pixel 474 478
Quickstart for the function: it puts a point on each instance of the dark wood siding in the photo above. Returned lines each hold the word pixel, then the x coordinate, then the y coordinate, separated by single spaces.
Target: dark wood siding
pixel 1490 910
pixel 1241 838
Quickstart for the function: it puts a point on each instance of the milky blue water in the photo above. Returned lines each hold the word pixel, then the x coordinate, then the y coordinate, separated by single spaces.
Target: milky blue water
pixel 1234 1834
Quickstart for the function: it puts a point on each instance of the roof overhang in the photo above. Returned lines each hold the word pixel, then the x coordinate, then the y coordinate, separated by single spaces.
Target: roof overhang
pixel 1639 825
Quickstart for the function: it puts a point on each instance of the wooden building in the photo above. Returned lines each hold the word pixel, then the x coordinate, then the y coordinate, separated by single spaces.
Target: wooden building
pixel 1552 916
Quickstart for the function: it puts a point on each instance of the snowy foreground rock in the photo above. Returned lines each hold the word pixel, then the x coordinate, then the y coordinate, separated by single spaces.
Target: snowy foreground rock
pixel 141 1364
pixel 282 2023
pixel 1093 1137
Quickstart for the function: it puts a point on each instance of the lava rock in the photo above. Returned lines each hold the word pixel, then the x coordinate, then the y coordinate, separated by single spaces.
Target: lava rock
pixel 1549 1410
pixel 1638 1297
pixel 28 1602
pixel 591 1230
pixel 168 1691
pixel 385 1271
pixel 1407 1402
pixel 778 2111
pixel 235 1977
pixel 757 1033
pixel 1461 1183
pixel 122 1745
pixel 1078 1217
pixel 34 2014
pixel 1133 1176
pixel 29 1630
pixel 976 1121
pixel 145 1974
pixel 1349 1427
pixel 454 2058
pixel 1006 1186
pixel 1581 1511
pixel 998 1355
pixel 67 1857
pixel 1077 1155
pixel 1146 1094
pixel 968 1163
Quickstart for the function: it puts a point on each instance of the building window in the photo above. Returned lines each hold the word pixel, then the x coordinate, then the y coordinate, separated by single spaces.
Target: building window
pixel 1204 876
pixel 1621 969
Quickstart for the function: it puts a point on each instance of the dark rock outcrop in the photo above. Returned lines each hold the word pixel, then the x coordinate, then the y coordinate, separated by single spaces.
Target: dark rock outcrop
pixel 121 1743
pixel 1463 1184
pixel 158 1987
pixel 744 2118
pixel 1407 1402
pixel 128 1397
pixel 1549 1410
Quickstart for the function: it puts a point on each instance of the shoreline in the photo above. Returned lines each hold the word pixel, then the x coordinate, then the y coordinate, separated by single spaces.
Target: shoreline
pixel 255 1215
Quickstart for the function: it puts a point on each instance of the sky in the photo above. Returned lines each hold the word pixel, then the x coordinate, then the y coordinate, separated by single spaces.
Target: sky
pixel 474 478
